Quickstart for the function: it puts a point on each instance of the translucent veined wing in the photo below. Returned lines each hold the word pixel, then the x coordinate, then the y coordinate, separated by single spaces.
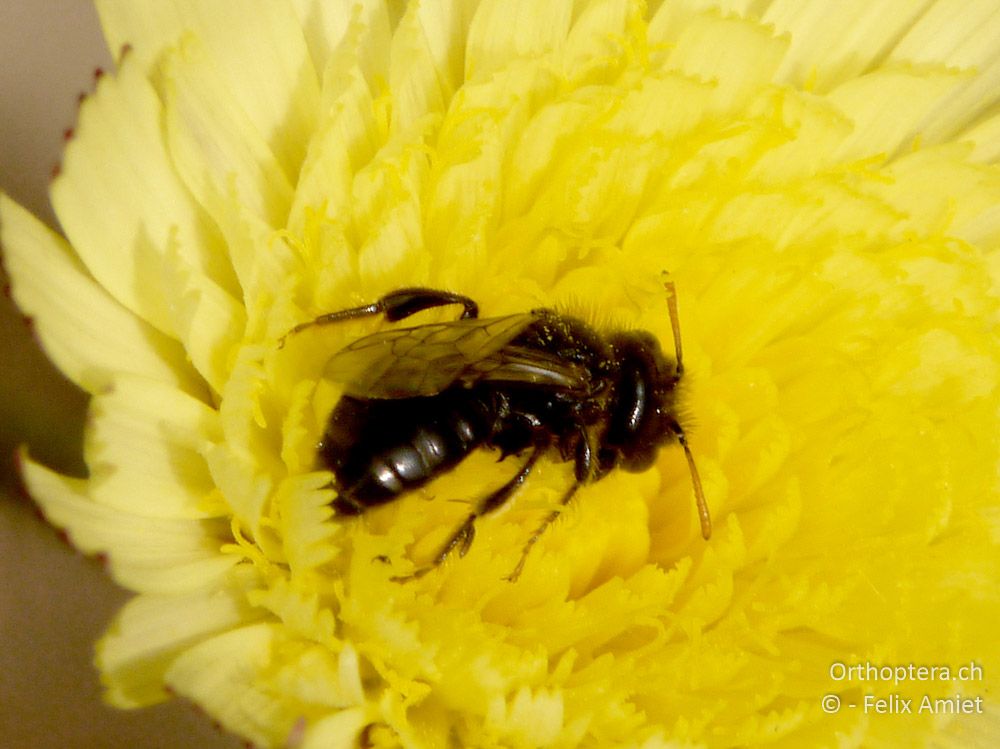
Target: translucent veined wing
pixel 424 360
pixel 520 365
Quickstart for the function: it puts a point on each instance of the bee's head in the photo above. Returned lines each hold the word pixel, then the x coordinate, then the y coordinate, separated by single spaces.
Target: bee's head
pixel 641 414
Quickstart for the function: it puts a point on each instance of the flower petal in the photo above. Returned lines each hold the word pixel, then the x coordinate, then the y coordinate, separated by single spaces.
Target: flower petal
pixel 150 632
pixel 343 728
pixel 87 333
pixel 967 209
pixel 737 55
pixel 426 59
pixel 223 674
pixel 215 146
pixel 600 29
pixel 889 108
pixel 829 48
pixel 210 321
pixel 147 434
pixel 121 204
pixel 255 47
pixel 962 34
pixel 145 553
pixel 959 33
pixel 324 23
pixel 505 31
pixel 346 140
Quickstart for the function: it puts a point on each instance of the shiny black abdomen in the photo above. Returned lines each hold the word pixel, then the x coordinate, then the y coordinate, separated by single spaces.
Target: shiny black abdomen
pixel 379 449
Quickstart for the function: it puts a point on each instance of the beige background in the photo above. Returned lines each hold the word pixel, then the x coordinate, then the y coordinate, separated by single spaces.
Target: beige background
pixel 53 603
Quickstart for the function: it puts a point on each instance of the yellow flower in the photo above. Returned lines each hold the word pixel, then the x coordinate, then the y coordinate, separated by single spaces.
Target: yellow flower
pixel 819 179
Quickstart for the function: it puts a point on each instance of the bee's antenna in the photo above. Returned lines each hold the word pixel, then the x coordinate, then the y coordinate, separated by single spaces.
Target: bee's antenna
pixel 675 323
pixel 699 493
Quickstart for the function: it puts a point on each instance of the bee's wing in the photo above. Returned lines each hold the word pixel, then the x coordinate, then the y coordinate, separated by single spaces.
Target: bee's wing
pixel 424 360
pixel 519 365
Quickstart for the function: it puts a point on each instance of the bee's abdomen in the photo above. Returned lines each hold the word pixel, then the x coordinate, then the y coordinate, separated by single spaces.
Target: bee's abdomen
pixel 379 449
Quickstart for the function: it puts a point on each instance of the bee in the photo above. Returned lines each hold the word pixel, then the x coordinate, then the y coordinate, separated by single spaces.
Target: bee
pixel 418 400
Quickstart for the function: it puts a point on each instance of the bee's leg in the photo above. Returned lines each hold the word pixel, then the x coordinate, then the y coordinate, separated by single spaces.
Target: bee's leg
pixel 401 303
pixel 345 504
pixel 396 305
pixel 461 539
pixel 512 577
pixel 583 470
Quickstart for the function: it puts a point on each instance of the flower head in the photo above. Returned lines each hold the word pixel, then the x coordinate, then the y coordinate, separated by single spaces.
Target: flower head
pixel 822 189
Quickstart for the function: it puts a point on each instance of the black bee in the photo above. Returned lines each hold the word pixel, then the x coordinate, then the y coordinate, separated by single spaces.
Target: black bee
pixel 418 400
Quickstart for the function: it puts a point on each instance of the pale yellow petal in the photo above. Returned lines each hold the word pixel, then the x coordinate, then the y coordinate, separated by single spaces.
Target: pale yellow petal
pixel 889 108
pixel 264 263
pixel 146 434
pixel 462 201
pixel 256 47
pixel 966 107
pixel 340 729
pixel 530 718
pixel 88 334
pixel 737 56
pixel 426 59
pixel 242 483
pixel 215 146
pixel 306 521
pixel 599 31
pixel 505 31
pixel 832 44
pixel 965 35
pixel 368 36
pixel 958 33
pixel 144 553
pixel 346 141
pixel 387 217
pixel 149 633
pixel 224 675
pixel 324 23
pixel 967 209
pixel 120 203
pixel 210 321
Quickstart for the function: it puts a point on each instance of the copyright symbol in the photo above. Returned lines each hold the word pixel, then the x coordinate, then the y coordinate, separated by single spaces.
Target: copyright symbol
pixel 830 703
